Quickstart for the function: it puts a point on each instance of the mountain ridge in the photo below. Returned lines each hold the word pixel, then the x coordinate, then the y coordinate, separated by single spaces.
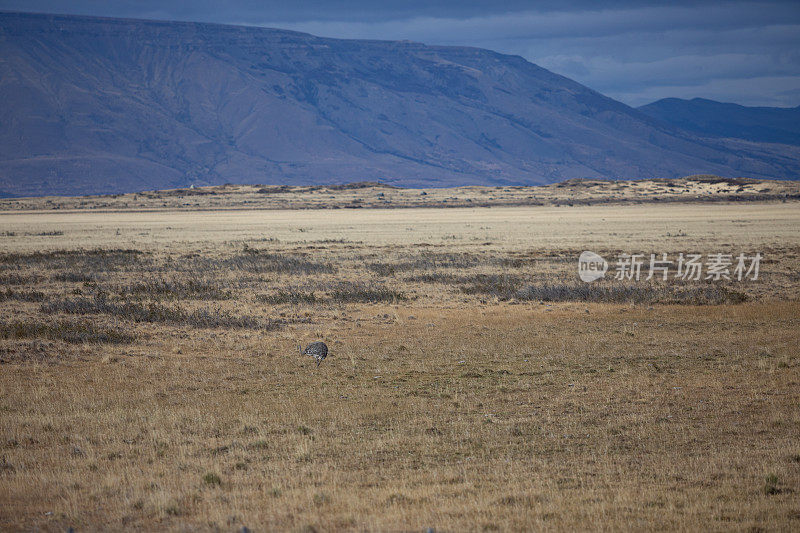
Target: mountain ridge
pixel 103 105
pixel 710 118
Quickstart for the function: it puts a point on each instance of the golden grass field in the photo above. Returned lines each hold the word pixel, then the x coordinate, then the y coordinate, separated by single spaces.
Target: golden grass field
pixel 150 377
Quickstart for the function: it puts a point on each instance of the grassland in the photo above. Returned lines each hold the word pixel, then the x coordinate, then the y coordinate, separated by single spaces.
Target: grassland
pixel 149 374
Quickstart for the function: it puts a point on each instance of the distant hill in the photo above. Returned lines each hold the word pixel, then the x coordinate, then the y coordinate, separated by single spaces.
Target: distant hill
pixel 371 195
pixel 96 105
pixel 708 118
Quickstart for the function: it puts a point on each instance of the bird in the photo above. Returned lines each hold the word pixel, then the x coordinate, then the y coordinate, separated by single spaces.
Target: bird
pixel 317 350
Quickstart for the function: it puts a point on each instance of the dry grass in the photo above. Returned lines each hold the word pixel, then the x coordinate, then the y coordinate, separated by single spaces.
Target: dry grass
pixel 151 379
pixel 75 332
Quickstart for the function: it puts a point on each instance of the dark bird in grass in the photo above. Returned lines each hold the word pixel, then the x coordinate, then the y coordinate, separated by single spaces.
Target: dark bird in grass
pixel 317 350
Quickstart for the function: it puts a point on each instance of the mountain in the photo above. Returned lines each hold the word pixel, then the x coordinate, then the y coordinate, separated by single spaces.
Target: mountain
pixel 708 118
pixel 98 105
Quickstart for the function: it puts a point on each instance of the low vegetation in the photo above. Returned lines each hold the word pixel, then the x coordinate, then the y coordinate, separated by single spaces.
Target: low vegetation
pixel 632 293
pixel 157 313
pixel 259 261
pixel 365 293
pixel 21 295
pixel 293 297
pixel 175 289
pixel 71 331
pixel 697 189
pixel 150 377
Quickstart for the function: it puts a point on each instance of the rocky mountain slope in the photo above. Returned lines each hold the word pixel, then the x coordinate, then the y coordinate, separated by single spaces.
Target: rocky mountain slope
pixel 95 105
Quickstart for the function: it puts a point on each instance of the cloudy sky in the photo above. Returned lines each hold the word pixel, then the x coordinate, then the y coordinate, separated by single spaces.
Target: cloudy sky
pixel 637 52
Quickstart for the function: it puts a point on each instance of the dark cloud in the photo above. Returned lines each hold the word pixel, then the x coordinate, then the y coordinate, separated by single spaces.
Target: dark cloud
pixel 746 52
pixel 351 10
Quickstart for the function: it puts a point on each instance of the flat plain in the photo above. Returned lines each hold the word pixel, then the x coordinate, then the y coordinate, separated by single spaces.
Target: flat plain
pixel 150 376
